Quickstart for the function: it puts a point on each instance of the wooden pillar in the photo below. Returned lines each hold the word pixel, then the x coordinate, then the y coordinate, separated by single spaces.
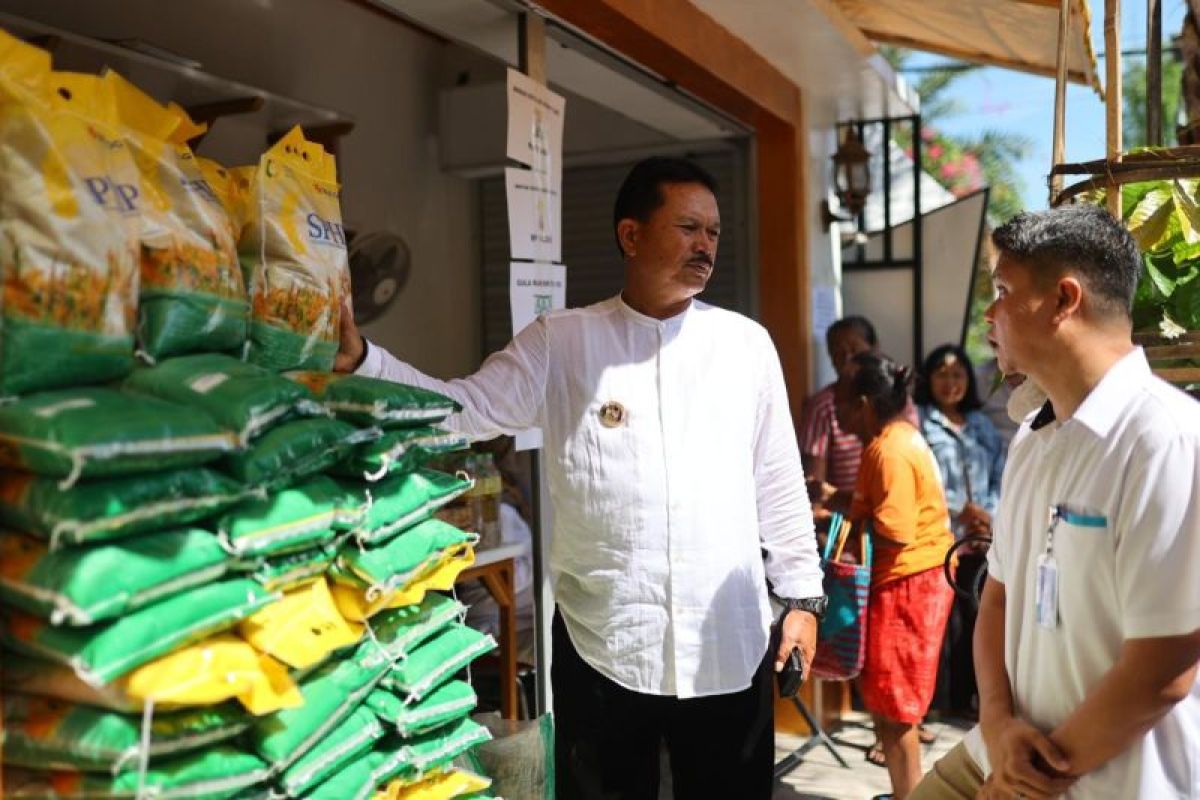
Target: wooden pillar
pixel 1113 100
pixel 1060 97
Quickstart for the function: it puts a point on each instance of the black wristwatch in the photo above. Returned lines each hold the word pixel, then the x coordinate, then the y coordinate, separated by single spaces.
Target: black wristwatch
pixel 813 605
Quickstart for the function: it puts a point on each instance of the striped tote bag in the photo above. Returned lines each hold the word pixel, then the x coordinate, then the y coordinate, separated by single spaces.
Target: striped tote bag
pixel 842 637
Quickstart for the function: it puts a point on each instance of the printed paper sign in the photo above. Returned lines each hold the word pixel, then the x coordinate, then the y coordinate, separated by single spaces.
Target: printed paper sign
pixel 534 215
pixel 534 289
pixel 535 125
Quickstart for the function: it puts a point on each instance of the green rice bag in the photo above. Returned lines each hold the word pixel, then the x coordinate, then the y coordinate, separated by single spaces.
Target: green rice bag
pixel 74 433
pixel 399 630
pixel 50 734
pixel 106 509
pixel 400 450
pixel 330 694
pixel 100 653
pixel 412 758
pixel 353 737
pixel 436 661
pixel 286 570
pixel 243 398
pixel 448 702
pixel 304 516
pixel 371 401
pixel 404 499
pixel 397 562
pixel 76 586
pixel 294 450
pixel 354 781
pixel 214 773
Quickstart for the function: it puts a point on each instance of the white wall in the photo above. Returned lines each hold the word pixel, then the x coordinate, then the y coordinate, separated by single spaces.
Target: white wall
pixel 382 73
pixel 824 249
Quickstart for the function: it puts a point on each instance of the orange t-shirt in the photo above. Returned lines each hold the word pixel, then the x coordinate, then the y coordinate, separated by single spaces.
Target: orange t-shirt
pixel 900 491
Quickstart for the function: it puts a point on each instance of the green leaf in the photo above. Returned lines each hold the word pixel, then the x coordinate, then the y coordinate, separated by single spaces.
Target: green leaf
pixel 1164 283
pixel 1184 254
pixel 1185 306
pixel 1150 219
pixel 1189 218
pixel 1133 193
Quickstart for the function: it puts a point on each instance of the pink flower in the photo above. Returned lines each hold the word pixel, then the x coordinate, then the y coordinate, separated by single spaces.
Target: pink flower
pixel 951 169
pixel 936 151
pixel 927 134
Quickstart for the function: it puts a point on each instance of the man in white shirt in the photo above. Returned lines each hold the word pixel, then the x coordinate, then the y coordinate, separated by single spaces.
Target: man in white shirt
pixel 673 466
pixel 1089 627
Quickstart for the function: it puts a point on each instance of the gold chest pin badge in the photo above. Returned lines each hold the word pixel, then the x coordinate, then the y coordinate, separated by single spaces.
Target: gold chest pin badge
pixel 612 414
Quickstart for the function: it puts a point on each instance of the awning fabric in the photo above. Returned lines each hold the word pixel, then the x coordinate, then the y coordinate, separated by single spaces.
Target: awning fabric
pixel 1017 34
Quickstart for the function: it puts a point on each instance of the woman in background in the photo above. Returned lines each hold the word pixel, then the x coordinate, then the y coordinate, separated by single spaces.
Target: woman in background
pixel 970 457
pixel 899 495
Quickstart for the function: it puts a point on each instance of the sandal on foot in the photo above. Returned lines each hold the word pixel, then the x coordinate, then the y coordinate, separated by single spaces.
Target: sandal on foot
pixel 874 755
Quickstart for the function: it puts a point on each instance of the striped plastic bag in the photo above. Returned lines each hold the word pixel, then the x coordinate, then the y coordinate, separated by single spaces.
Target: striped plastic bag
pixel 842 637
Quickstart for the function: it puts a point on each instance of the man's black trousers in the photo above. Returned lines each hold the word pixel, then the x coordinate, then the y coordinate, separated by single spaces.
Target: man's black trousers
pixel 608 739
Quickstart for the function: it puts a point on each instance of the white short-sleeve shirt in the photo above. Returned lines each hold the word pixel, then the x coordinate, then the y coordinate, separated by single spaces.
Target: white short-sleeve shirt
pixel 1127 467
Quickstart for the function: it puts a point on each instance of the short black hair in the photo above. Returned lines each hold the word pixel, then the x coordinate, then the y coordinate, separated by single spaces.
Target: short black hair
pixel 852 322
pixel 933 362
pixel 641 192
pixel 883 382
pixel 1084 239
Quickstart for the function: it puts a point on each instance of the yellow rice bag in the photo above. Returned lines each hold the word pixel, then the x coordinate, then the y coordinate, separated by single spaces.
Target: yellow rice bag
pixel 293 251
pixel 191 296
pixel 69 195
pixel 353 604
pixel 442 786
pixel 302 628
pixel 219 668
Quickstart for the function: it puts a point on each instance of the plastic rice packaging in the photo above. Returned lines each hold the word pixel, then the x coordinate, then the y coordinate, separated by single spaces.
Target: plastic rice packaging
pixel 95 433
pixel 240 397
pixel 219 668
pixel 411 758
pixel 357 601
pixel 400 450
pixel 105 509
pixel 303 516
pixel 436 661
pixel 293 251
pixel 279 572
pixel 214 773
pixel 69 199
pixel 372 401
pixel 191 296
pixel 51 734
pixel 399 561
pixel 301 628
pixel 104 652
pixel 76 586
pixel 212 671
pixel 349 740
pixel 354 781
pixel 443 705
pixel 398 630
pixel 292 451
pixel 400 501
pixel 439 786
pixel 330 694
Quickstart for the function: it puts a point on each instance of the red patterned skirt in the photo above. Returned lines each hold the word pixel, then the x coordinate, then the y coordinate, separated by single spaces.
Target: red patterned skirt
pixel 906 621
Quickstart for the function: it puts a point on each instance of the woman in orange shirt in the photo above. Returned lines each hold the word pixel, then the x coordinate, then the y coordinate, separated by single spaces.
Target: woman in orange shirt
pixel 899 493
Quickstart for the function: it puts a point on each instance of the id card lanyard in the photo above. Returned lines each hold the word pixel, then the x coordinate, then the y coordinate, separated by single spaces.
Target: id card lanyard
pixel 1047 576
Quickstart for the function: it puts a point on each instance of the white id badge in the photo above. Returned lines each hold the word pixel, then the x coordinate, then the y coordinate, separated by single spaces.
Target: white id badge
pixel 1047 591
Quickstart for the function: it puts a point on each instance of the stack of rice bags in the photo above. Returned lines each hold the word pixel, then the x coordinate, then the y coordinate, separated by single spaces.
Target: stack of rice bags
pixel 194 605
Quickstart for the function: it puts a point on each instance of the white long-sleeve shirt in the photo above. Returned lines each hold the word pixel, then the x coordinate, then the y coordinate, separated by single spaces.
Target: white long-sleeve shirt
pixel 661 520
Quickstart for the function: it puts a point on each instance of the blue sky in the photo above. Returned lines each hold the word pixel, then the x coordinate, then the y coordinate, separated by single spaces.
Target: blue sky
pixel 1015 101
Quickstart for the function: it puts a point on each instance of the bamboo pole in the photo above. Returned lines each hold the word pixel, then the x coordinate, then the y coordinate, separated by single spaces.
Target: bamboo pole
pixel 1060 96
pixel 1112 86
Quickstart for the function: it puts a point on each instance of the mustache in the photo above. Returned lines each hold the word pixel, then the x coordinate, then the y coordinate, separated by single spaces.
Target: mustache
pixel 701 258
